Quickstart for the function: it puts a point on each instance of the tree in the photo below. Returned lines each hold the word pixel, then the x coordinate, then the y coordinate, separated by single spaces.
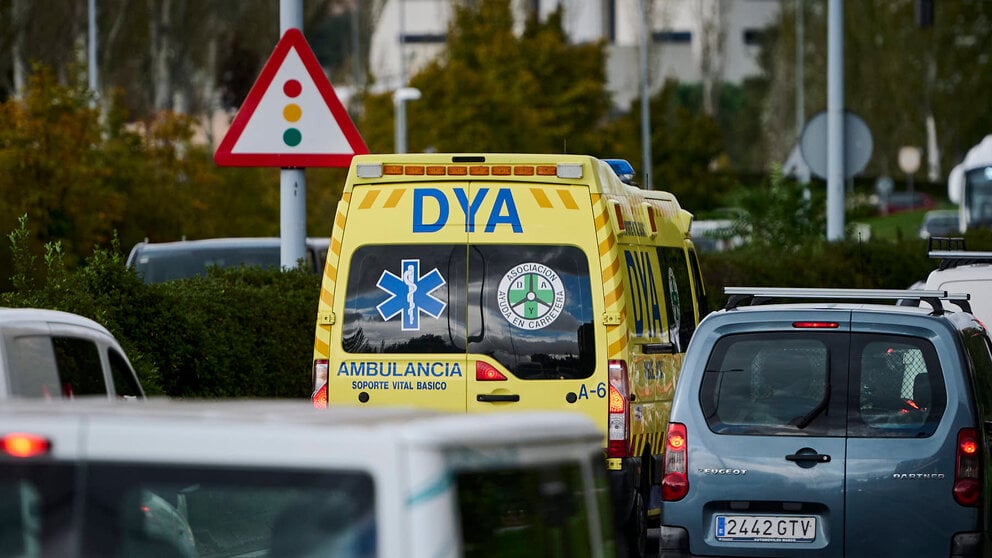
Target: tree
pixel 686 145
pixel 81 177
pixel 496 91
pixel 895 75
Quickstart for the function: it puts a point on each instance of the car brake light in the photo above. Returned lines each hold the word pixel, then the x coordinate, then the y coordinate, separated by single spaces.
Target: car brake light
pixel 19 444
pixel 967 482
pixel 815 325
pixel 485 372
pixel 619 411
pixel 319 397
pixel 675 482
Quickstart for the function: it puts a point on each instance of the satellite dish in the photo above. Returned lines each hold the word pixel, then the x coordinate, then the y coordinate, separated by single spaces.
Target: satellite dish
pixel 857 144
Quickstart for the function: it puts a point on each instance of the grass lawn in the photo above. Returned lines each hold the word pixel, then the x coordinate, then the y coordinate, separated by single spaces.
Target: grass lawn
pixel 902 225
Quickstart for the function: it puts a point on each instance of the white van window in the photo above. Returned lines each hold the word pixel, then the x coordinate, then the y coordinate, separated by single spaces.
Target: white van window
pixel 79 366
pixel 526 512
pixel 136 510
pixel 36 509
pixel 52 367
pixel 33 372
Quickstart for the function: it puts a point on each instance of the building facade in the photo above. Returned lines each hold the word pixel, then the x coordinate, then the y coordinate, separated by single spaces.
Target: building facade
pixel 694 41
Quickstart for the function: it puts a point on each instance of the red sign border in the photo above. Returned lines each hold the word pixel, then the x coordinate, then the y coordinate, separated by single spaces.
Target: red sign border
pixel 293 38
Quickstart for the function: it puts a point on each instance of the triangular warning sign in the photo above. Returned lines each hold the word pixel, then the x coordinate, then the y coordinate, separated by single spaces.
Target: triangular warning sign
pixel 291 117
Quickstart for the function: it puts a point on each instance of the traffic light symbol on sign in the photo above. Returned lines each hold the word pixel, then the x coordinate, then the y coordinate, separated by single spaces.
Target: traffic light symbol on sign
pixel 292 113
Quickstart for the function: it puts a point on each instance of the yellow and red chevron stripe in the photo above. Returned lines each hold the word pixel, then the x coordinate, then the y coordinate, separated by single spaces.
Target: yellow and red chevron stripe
pixel 609 260
pixel 322 337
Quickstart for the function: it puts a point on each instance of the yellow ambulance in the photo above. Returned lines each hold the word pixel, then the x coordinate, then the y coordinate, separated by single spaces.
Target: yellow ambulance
pixel 496 282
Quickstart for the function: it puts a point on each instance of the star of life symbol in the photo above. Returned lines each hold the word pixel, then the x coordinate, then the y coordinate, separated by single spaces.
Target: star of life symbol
pixel 410 294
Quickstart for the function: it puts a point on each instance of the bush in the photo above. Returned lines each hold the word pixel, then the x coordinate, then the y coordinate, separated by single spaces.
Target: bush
pixel 248 332
pixel 243 332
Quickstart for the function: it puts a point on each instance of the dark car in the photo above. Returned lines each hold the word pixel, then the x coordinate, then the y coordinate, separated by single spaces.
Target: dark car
pixel 156 262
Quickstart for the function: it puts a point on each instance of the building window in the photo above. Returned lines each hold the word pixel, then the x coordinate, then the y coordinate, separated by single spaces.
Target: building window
pixel 672 37
pixel 425 38
pixel 753 37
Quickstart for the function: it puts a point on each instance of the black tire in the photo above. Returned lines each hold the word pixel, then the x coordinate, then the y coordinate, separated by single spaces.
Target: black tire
pixel 633 540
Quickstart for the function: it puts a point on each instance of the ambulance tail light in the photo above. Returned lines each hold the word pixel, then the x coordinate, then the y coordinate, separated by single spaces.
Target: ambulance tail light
pixel 675 482
pixel 485 372
pixel 20 444
pixel 319 397
pixel 967 475
pixel 618 440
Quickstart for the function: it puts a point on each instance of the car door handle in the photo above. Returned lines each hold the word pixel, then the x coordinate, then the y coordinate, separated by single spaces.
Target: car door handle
pixel 496 398
pixel 817 457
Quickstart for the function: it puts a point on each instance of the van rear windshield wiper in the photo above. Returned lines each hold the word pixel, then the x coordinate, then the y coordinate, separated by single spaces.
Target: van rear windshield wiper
pixel 804 421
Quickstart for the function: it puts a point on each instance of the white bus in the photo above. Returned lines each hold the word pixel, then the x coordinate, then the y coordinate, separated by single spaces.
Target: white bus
pixel 970 186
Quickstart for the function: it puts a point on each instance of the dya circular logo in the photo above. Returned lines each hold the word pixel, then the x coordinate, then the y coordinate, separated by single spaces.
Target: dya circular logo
pixel 531 296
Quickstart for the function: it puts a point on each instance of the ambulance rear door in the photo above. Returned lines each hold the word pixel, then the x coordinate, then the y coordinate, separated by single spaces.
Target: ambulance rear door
pixel 535 300
pixel 403 311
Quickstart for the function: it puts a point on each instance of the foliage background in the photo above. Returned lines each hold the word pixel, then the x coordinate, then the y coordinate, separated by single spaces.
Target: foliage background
pixel 94 176
pixel 248 332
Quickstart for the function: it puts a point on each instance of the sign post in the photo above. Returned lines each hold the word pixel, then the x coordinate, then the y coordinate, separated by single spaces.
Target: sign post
pixel 291 119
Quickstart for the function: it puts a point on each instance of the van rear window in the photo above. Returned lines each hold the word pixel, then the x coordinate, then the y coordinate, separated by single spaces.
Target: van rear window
pixel 135 510
pixel 772 383
pixel 152 510
pixel 527 306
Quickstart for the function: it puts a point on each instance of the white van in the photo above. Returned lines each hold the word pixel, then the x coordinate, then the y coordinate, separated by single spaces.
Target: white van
pixel 964 271
pixel 49 354
pixel 279 478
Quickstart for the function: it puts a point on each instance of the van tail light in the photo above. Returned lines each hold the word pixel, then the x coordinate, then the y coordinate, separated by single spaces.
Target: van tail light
pixel 675 482
pixel 19 444
pixel 485 372
pixel 967 474
pixel 619 417
pixel 319 397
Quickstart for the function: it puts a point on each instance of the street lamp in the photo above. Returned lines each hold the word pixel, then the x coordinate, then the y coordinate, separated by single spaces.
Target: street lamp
pixel 400 97
pixel 909 163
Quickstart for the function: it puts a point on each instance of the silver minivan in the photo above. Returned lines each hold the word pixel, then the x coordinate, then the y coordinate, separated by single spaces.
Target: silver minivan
pixel 824 423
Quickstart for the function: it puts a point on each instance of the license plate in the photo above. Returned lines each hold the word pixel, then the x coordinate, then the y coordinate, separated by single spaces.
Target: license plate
pixel 765 528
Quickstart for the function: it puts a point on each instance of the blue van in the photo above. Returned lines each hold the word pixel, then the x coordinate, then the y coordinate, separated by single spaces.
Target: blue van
pixel 832 426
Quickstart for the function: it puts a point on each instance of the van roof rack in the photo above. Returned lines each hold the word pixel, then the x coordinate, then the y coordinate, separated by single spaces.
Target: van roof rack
pixel 945 243
pixel 952 252
pixel 753 296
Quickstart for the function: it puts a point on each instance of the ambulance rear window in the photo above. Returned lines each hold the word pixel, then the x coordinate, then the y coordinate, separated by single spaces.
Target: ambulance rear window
pixel 527 306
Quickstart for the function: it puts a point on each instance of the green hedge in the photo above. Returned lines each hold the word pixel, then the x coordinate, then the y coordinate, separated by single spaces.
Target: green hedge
pixel 244 332
pixel 249 332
